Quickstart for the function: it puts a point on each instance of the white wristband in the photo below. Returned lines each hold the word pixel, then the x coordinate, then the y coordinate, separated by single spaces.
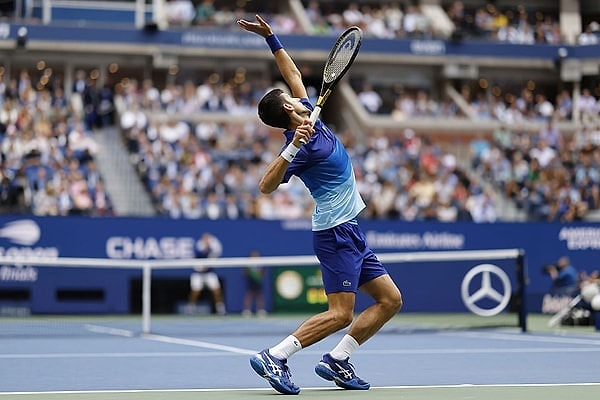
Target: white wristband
pixel 289 152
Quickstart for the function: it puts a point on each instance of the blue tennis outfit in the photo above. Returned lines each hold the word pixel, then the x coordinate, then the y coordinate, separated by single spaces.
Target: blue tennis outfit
pixel 325 168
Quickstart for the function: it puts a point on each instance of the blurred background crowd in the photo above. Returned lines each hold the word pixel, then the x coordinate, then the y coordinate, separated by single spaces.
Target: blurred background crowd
pixel 204 169
pixel 397 19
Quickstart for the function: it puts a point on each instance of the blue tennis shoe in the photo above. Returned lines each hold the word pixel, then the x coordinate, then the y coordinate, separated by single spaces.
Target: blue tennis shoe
pixel 341 372
pixel 275 371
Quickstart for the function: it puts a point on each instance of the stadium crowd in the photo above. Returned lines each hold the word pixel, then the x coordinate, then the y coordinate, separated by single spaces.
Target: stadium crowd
pixel 499 104
pixel 550 176
pixel 481 20
pixel 506 24
pixel 209 169
pixel 484 20
pixel 47 164
pixel 206 169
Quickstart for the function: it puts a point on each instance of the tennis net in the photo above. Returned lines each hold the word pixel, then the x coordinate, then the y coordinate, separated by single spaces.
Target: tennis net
pixel 488 287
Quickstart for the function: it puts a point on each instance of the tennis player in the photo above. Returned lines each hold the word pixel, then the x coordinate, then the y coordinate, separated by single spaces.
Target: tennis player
pixel 347 262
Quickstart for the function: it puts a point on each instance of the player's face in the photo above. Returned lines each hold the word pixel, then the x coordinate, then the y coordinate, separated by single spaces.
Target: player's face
pixel 296 104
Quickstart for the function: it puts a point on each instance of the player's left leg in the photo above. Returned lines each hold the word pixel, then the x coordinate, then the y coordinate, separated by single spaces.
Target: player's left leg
pixel 335 366
pixel 388 302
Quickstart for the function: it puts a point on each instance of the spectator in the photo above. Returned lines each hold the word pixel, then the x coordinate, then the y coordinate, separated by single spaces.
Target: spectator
pixel 352 15
pixel 80 84
pixel 543 153
pixel 446 211
pixel 103 205
pixel 550 134
pixel 370 99
pixel 180 12
pixel 588 37
pixel 587 103
pixel 481 206
pixel 383 204
pixel 479 147
pixel 205 13
pixel 79 194
pixel 543 108
pixel 45 201
pixel 412 22
pixel 254 296
pixel 206 278
pixel 456 14
pixel 106 106
pixel 564 277
pixel 564 105
pixel 393 15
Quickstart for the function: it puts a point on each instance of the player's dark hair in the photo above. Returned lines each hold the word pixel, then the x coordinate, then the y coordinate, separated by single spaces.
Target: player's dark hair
pixel 271 112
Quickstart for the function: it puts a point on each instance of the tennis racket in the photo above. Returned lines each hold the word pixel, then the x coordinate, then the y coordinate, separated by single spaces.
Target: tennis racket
pixel 340 58
pixel 556 318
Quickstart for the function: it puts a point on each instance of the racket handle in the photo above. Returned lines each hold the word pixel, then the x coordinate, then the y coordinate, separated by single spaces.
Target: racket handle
pixel 314 115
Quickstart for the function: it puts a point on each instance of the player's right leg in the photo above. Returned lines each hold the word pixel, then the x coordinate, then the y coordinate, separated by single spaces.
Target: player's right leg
pixel 387 303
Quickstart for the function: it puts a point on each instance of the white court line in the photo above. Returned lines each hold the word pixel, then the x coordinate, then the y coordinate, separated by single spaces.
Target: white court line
pixel 521 337
pixel 169 339
pixel 518 337
pixel 421 387
pixel 116 355
pixel 482 350
pixel 198 343
pixel 109 331
pixel 229 353
pixel 236 350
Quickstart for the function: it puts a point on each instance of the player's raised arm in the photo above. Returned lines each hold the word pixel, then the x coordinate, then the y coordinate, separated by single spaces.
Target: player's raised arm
pixel 288 69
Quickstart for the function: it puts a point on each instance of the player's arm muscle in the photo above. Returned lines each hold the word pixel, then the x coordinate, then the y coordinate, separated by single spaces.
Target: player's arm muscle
pixel 273 175
pixel 290 73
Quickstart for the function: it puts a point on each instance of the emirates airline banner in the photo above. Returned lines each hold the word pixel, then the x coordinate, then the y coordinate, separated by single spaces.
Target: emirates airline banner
pixel 427 286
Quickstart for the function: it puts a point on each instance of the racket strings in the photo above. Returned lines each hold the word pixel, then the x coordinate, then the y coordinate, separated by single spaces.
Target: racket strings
pixel 343 55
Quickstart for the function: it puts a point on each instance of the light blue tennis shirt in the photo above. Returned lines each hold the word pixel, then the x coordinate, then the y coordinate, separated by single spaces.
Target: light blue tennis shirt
pixel 325 168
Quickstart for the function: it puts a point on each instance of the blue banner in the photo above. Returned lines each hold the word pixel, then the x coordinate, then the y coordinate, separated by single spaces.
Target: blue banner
pixel 427 286
pixel 218 39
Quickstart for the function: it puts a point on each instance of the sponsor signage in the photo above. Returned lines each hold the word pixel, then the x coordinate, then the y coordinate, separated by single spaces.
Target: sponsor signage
pixel 299 289
pixel 426 286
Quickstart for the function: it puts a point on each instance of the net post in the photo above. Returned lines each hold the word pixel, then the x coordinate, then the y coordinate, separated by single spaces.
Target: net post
pixel 522 281
pixel 146 281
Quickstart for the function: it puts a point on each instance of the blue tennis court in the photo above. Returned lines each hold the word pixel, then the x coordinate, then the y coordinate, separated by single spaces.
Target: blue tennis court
pixel 413 357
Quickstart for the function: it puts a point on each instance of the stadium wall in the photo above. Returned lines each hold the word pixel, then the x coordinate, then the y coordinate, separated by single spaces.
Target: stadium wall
pixel 433 287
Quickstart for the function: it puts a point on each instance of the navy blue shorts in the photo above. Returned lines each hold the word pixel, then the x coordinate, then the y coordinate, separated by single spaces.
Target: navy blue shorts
pixel 346 260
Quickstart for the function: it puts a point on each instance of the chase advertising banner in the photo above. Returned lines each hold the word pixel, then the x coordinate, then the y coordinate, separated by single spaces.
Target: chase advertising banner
pixel 481 286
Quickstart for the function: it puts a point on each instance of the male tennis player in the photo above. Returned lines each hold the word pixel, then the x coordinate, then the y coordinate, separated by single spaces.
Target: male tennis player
pixel 347 263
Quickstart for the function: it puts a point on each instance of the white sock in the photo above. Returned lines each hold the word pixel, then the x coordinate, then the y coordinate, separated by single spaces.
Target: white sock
pixel 286 348
pixel 344 348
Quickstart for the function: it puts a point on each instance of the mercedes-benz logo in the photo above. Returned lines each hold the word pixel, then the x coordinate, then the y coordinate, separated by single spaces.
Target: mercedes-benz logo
pixel 486 290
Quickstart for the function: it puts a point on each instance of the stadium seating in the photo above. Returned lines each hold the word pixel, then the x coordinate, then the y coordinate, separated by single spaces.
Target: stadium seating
pixel 197 146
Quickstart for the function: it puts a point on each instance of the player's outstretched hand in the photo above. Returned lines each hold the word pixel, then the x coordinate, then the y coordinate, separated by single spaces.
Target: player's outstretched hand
pixel 260 27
